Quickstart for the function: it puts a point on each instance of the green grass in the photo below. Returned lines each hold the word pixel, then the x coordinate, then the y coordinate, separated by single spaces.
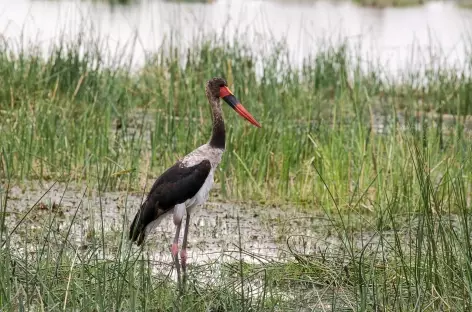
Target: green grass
pixel 117 2
pixel 464 4
pixel 389 3
pixel 408 252
pixel 68 116
pixel 398 202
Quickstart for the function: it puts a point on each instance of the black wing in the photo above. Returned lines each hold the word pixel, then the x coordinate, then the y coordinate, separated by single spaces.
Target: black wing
pixel 174 186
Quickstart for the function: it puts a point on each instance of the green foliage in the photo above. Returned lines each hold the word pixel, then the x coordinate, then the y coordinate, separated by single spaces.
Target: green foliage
pixel 68 114
pixel 388 162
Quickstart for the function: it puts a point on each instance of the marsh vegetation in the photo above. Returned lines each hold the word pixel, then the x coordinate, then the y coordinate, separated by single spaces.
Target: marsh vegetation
pixel 372 173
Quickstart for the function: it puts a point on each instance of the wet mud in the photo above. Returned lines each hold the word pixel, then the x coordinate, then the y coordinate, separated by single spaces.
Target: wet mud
pixel 215 228
pixel 81 216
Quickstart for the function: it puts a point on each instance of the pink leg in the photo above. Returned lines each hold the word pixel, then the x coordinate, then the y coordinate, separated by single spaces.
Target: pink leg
pixel 183 252
pixel 183 259
pixel 175 252
pixel 174 249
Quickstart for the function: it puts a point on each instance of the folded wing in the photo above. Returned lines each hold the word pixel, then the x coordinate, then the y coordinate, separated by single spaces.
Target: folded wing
pixel 176 185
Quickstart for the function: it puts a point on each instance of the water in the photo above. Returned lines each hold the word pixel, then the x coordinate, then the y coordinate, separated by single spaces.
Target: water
pixel 214 228
pixel 389 36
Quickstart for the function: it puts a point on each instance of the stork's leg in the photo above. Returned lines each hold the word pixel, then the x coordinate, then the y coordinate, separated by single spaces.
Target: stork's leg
pixel 183 252
pixel 175 252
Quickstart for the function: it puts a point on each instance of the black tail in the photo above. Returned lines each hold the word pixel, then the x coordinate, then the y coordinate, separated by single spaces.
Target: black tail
pixel 137 229
pixel 148 212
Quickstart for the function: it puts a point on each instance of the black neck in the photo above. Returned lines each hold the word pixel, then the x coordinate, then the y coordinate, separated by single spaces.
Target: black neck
pixel 218 135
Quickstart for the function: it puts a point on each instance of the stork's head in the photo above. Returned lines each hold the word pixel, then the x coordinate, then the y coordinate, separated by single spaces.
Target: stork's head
pixel 218 88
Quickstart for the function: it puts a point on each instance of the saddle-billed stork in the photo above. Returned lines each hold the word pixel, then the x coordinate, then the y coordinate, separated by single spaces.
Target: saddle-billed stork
pixel 187 183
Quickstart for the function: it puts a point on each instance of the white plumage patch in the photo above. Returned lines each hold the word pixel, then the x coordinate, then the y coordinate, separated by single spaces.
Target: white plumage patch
pixel 179 211
pixel 204 152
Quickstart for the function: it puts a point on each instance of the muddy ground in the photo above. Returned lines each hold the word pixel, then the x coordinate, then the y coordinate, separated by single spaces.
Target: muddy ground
pixel 267 231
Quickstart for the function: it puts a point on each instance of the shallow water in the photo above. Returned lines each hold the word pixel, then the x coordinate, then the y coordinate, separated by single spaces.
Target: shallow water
pixel 217 230
pixel 214 228
pixel 386 35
